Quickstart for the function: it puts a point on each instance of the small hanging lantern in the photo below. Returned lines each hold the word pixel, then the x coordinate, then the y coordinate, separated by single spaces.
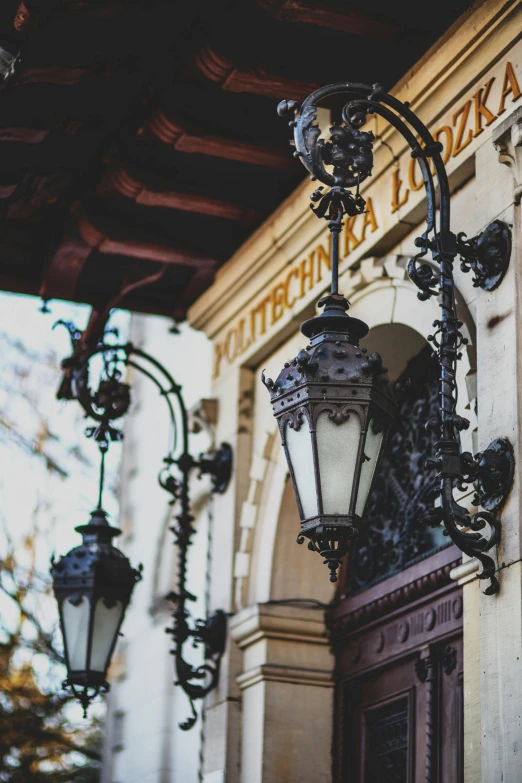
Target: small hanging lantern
pixel 333 403
pixel 93 584
pixel 334 406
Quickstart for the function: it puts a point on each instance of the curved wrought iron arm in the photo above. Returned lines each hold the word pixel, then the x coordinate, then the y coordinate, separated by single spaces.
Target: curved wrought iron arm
pixel 349 152
pixel 109 402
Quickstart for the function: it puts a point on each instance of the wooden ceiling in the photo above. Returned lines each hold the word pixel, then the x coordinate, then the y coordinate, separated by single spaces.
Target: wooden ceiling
pixel 139 141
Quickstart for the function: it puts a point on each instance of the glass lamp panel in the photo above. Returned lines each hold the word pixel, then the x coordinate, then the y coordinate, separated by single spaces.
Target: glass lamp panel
pixel 372 449
pixel 300 455
pixel 107 621
pixel 337 447
pixel 75 617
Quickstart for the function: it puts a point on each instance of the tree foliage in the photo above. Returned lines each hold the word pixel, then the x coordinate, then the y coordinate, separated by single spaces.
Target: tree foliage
pixel 43 739
pixel 39 742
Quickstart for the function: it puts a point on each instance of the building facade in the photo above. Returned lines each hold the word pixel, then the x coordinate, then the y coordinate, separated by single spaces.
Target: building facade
pixel 417 674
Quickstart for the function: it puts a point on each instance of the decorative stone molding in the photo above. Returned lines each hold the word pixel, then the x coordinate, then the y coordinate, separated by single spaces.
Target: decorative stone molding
pixel 276 639
pixel 465 572
pixel 248 517
pixel 507 139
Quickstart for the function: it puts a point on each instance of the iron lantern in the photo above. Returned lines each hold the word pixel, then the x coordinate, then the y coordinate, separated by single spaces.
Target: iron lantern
pixel 334 406
pixel 93 584
pixel 332 467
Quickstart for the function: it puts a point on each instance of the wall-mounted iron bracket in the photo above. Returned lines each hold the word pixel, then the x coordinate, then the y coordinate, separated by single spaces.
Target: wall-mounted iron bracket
pixel 495 470
pixel 487 255
pixel 217 464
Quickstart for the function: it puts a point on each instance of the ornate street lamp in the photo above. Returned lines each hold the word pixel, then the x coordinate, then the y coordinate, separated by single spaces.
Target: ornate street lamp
pixel 93 583
pixel 333 402
pixel 334 406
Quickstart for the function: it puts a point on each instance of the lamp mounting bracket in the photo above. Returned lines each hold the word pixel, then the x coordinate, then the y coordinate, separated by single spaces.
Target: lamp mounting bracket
pixel 218 465
pixel 495 470
pixel 487 255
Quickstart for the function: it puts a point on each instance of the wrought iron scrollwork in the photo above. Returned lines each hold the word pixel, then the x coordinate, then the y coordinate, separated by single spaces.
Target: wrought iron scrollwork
pixel 106 404
pixel 393 538
pixel 348 153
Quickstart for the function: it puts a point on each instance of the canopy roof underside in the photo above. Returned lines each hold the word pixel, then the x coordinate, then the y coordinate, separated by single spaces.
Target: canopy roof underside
pixel 140 139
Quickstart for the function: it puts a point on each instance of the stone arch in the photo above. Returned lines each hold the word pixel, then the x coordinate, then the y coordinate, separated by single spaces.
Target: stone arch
pixel 381 294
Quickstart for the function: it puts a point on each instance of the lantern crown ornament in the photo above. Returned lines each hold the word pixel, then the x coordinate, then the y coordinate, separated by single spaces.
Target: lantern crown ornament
pixel 333 402
pixel 93 584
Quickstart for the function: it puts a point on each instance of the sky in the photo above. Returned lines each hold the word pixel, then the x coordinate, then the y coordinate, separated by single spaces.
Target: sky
pixel 61 498
pixel 51 492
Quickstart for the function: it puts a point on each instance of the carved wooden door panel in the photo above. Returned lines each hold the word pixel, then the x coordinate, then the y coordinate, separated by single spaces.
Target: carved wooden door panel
pixel 397 629
pixel 403 723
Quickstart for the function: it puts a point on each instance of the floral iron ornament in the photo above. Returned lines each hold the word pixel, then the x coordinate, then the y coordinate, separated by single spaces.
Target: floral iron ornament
pixel 343 163
pixel 97 567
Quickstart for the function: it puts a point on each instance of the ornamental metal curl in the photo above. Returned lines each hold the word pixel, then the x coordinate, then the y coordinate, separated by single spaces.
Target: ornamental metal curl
pixel 348 153
pixel 109 402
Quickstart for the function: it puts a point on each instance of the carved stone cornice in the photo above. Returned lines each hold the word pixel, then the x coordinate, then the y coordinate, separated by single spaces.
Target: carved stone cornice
pixel 507 139
pixel 282 643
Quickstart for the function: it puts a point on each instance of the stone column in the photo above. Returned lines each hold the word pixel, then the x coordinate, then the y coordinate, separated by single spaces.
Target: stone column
pixel 287 694
pixel 499 347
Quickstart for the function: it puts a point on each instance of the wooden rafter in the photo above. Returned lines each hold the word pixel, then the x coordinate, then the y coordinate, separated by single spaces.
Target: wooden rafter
pixel 218 69
pixel 201 143
pixel 120 181
pixel 327 15
pixel 62 273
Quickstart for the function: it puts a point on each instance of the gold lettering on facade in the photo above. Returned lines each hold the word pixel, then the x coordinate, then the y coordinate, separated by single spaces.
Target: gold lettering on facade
pixel 293 273
pixel 350 240
pixel 231 340
pixel 412 180
pixel 397 183
pixel 260 310
pixel 218 355
pixel 277 302
pixel 309 271
pixel 369 219
pixel 460 142
pixel 448 145
pixel 509 85
pixel 323 257
pixel 481 110
pixel 306 272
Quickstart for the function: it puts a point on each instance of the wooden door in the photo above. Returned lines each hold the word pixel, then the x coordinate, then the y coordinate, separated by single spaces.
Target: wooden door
pixel 402 722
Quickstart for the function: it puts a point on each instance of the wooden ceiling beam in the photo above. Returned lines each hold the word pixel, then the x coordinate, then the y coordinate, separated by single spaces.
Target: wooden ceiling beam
pixel 201 143
pixel 328 15
pixel 110 243
pixel 63 271
pixel 218 69
pixel 121 182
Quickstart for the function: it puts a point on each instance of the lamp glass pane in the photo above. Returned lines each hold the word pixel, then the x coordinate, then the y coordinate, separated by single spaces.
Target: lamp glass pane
pixel 300 455
pixel 337 447
pixel 75 618
pixel 106 624
pixel 372 449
